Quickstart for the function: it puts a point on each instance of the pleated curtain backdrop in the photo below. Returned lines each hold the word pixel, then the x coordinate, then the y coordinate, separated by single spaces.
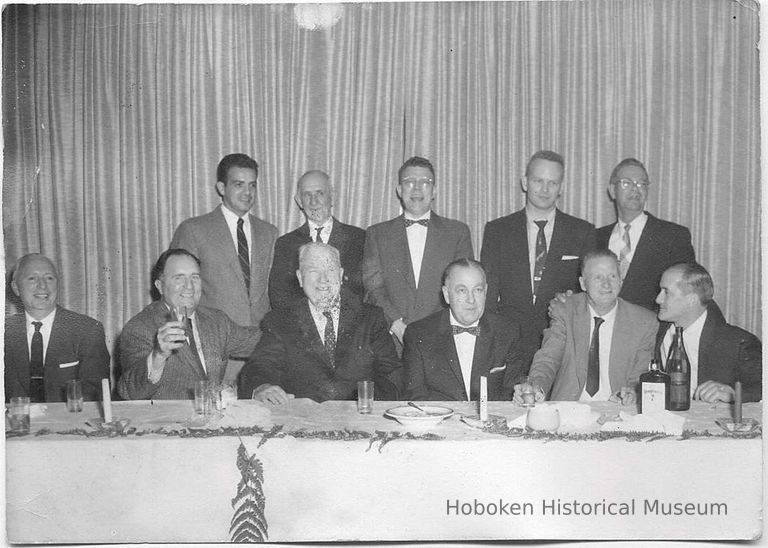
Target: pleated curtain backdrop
pixel 115 117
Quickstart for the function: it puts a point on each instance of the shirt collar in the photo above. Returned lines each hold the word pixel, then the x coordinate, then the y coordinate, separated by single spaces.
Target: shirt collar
pixel 636 223
pixel 232 218
pixel 608 316
pixel 326 225
pixel 454 321
pixel 427 215
pixel 697 326
pixel 48 320
pixel 549 217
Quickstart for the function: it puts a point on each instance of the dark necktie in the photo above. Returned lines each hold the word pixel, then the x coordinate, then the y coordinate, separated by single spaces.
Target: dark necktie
pixel 541 255
pixel 330 338
pixel 593 365
pixel 244 256
pixel 36 385
pixel 193 344
pixel 457 330
pixel 422 222
pixel 319 229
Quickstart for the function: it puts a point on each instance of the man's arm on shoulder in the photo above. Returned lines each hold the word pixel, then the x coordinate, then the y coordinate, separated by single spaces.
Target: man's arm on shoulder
pixel 373 278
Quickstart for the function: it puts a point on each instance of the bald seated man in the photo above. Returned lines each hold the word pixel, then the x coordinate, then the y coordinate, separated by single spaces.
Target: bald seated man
pixel 314 196
pixel 324 344
pixel 48 345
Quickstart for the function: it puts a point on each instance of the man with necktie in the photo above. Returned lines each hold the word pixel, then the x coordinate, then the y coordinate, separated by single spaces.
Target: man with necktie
pixel 534 253
pixel 597 344
pixel 314 196
pixel 176 341
pixel 404 257
pixel 325 343
pixel 445 354
pixel 645 245
pixel 719 354
pixel 48 345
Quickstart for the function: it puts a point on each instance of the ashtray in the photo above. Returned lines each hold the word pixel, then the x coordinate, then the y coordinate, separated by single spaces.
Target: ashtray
pixel 117 425
pixel 743 427
pixel 494 421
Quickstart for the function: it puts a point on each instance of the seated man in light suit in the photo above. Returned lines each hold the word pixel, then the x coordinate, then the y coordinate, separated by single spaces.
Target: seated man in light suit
pixel 48 345
pixel 314 196
pixel 175 341
pixel 719 353
pixel 322 346
pixel 597 344
pixel 446 353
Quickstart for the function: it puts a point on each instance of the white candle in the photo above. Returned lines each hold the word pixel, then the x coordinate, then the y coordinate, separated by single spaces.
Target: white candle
pixel 483 399
pixel 106 400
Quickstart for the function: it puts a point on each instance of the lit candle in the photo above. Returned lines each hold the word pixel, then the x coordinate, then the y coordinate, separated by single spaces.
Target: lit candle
pixel 106 400
pixel 483 399
pixel 737 404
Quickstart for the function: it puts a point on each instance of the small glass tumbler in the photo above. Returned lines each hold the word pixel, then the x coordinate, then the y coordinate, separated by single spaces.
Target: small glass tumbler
pixel 204 402
pixel 18 414
pixel 528 392
pixel 75 396
pixel 365 397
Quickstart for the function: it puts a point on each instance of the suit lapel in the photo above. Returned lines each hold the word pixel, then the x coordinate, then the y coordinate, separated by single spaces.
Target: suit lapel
pixel 447 348
pixel 581 328
pixel 338 238
pixel 644 247
pixel 310 337
pixel 19 349
pixel 517 245
pixel 432 248
pixel 705 343
pixel 221 234
pixel 303 231
pixel 481 357
pixel 203 342
pixel 557 247
pixel 621 342
pixel 400 244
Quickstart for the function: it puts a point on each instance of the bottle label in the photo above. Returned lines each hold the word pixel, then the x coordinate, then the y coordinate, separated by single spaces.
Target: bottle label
pixel 678 378
pixel 653 396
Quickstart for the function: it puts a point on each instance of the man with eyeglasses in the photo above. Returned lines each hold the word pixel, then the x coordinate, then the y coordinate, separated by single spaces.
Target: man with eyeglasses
pixel 646 246
pixel 404 257
pixel 234 246
pixel 534 253
pixel 175 341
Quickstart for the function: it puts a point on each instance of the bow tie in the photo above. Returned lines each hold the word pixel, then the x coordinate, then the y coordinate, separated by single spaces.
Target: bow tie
pixel 474 331
pixel 422 222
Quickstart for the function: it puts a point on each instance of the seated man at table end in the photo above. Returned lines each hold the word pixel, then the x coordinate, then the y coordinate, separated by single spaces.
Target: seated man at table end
pixel 48 345
pixel 162 356
pixel 719 353
pixel 445 354
pixel 322 345
pixel 597 344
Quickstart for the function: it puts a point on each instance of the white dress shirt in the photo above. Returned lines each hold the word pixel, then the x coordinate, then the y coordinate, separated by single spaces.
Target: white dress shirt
pixel 606 338
pixel 533 233
pixel 691 341
pixel 417 240
pixel 616 242
pixel 325 234
pixel 320 320
pixel 465 348
pixel 231 219
pixel 45 331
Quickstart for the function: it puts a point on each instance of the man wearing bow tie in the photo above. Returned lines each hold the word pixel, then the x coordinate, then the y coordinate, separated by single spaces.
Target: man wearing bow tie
pixel 446 353
pixel 403 257
pixel 322 345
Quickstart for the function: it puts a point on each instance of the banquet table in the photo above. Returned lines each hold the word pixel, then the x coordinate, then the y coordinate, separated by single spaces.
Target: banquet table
pixel 306 471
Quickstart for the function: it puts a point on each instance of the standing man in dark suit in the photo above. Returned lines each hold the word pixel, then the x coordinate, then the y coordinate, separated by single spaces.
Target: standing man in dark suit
pixel 719 354
pixel 446 353
pixel 324 344
pixel 646 246
pixel 405 256
pixel 314 196
pixel 235 248
pixel 48 345
pixel 534 253
pixel 175 341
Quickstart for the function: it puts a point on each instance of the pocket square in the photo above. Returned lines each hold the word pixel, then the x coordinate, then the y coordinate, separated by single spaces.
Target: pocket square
pixel 497 369
pixel 569 257
pixel 68 364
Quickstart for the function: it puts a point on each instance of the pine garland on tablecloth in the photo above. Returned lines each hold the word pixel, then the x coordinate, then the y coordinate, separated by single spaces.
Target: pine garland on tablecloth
pixel 249 523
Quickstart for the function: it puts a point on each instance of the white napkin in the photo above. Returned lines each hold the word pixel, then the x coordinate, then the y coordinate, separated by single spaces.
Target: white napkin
pixel 576 416
pixel 658 421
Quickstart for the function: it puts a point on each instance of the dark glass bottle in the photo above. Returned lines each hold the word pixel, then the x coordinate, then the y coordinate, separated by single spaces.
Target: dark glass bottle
pixel 654 389
pixel 679 371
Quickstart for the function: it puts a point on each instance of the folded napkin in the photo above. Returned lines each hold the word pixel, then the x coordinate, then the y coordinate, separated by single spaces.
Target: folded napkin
pixel 664 421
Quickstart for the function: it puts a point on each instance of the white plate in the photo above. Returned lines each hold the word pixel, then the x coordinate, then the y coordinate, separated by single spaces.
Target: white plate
pixel 412 417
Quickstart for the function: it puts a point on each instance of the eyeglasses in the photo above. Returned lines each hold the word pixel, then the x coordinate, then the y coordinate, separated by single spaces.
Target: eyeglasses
pixel 413 182
pixel 626 184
